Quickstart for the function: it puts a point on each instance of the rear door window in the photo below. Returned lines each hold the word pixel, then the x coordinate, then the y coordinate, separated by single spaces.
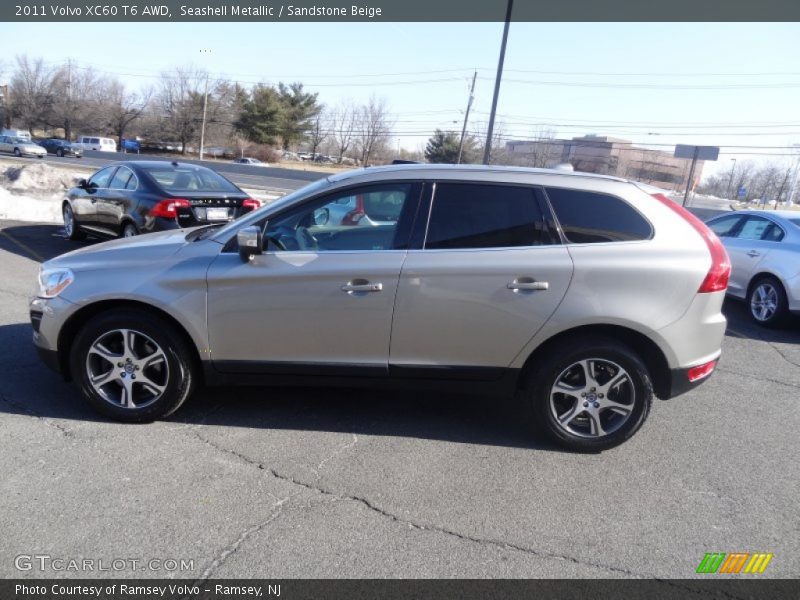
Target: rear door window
pixel 725 226
pixel 591 217
pixel 121 179
pixel 754 228
pixel 467 215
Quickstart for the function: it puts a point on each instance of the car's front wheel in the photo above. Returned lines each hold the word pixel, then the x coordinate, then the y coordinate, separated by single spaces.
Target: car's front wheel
pixel 589 394
pixel 768 303
pixel 132 366
pixel 60 153
pixel 17 153
pixel 72 230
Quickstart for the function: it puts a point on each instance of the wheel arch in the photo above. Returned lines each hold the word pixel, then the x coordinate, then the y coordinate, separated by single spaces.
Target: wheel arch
pixel 650 353
pixel 762 275
pixel 76 321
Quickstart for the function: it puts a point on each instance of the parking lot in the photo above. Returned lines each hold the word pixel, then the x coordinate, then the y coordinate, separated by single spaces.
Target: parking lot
pixel 275 482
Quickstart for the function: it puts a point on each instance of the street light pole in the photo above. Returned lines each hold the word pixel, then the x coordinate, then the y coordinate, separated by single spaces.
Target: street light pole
pixel 488 146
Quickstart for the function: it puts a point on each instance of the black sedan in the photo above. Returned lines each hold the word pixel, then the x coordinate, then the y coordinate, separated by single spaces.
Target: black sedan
pixel 60 147
pixel 128 198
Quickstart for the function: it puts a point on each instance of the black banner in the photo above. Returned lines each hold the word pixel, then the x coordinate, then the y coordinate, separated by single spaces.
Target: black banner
pixel 251 589
pixel 397 10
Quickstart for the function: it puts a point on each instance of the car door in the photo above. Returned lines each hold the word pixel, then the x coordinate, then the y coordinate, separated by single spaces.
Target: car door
pixel 489 275
pixel 747 249
pixel 320 299
pixel 84 200
pixel 726 228
pixel 116 201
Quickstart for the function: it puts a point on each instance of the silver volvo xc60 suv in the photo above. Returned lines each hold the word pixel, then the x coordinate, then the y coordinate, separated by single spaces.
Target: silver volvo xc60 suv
pixel 584 296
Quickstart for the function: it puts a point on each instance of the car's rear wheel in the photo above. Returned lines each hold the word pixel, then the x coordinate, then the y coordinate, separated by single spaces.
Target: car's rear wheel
pixel 132 366
pixel 767 301
pixel 72 230
pixel 589 394
pixel 60 153
pixel 129 230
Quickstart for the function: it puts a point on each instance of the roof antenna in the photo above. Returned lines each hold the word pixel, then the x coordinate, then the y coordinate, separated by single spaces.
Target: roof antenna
pixel 174 163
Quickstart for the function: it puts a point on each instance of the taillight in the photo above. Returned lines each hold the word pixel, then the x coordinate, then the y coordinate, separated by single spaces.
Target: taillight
pixel 249 204
pixel 169 208
pixel 700 371
pixel 717 277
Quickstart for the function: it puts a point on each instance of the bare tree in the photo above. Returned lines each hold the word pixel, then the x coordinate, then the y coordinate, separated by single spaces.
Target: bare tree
pixel 343 128
pixel 31 92
pixel 373 128
pixel 122 107
pixel 319 131
pixel 180 101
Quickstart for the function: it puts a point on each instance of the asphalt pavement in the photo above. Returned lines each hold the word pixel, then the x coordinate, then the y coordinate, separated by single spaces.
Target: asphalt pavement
pixel 275 482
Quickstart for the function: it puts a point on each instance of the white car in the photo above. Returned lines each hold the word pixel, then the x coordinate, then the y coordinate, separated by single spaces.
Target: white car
pixel 21 147
pixel 254 162
pixel 764 248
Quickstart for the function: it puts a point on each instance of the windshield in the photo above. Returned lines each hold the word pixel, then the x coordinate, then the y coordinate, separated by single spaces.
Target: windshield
pixel 189 178
pixel 19 140
pixel 251 217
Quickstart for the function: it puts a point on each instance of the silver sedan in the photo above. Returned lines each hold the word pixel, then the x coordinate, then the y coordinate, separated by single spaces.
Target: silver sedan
pixel 21 147
pixel 764 248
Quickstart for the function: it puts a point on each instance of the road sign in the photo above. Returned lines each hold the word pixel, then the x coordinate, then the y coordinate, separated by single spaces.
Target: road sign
pixel 697 152
pixel 742 192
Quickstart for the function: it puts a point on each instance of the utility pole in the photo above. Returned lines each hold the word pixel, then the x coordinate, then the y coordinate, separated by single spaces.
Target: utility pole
pixel 488 146
pixel 730 179
pixel 793 186
pixel 466 117
pixel 205 107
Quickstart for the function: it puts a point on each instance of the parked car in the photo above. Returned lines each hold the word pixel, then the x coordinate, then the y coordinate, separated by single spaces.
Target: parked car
pixel 250 161
pixel 128 198
pixel 293 156
pixel 581 294
pixel 131 146
pixel 61 147
pixel 101 144
pixel 764 247
pixel 21 147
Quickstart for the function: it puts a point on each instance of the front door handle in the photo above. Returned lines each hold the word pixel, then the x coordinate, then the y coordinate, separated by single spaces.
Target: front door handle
pixel 527 284
pixel 753 253
pixel 361 285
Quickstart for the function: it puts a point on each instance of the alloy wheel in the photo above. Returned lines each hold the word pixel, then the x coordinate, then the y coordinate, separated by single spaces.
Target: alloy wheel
pixel 592 398
pixel 69 221
pixel 127 369
pixel 764 302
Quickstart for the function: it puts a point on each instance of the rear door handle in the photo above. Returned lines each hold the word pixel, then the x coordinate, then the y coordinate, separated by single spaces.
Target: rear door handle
pixel 527 283
pixel 361 285
pixel 753 253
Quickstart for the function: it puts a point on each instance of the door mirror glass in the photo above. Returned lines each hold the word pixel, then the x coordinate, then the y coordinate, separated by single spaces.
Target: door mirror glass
pixel 250 242
pixel 322 216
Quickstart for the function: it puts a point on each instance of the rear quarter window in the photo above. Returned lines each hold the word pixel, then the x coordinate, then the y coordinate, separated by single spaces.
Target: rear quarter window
pixel 592 218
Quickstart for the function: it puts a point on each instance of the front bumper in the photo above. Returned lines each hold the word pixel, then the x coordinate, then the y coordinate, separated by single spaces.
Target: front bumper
pixel 47 318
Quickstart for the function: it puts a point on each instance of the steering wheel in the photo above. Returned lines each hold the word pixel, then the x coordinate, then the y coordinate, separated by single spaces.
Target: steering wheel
pixel 305 240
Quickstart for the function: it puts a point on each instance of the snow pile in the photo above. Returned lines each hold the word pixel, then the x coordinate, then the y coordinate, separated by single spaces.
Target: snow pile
pixel 37 177
pixel 34 209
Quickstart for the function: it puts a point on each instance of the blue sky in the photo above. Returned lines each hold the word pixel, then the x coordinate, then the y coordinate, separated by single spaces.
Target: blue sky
pixel 563 76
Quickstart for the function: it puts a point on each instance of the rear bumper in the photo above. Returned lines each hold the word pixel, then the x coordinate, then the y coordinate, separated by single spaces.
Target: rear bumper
pixel 679 382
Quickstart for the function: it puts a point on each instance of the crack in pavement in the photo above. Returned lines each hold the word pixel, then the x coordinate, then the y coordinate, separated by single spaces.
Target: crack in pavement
pixel 758 378
pixel 65 431
pixel 410 523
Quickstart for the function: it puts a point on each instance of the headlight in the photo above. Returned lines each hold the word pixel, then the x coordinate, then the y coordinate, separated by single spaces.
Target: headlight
pixel 53 281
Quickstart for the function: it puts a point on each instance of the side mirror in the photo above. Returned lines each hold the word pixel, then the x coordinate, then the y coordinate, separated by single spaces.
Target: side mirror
pixel 82 183
pixel 250 242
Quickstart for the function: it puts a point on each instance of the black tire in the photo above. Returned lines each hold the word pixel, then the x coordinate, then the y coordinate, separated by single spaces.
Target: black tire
pixel 60 153
pixel 129 230
pixel 179 377
pixel 780 315
pixel 75 232
pixel 17 153
pixel 541 410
